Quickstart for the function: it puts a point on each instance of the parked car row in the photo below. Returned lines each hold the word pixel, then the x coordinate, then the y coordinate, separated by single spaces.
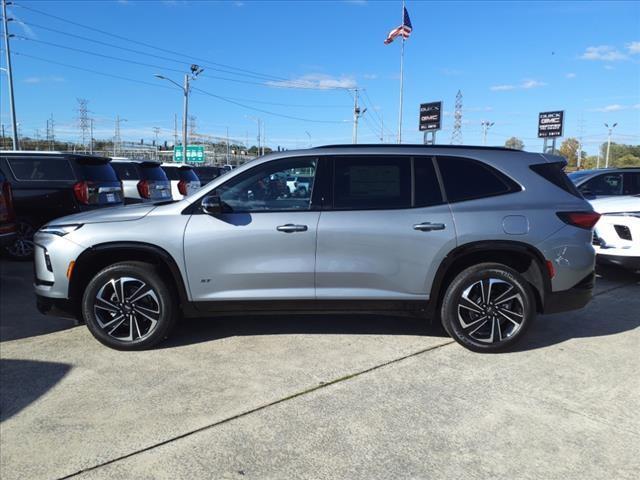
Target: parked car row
pixel 40 186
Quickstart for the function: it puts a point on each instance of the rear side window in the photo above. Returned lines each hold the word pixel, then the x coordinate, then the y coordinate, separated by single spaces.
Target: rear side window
pixel 362 183
pixel 41 169
pixel 427 188
pixel 554 173
pixel 632 183
pixel 153 172
pixel 605 184
pixel 97 172
pixel 126 171
pixel 466 179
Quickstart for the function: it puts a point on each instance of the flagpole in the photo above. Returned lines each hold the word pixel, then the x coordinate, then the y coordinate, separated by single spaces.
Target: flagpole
pixel 401 80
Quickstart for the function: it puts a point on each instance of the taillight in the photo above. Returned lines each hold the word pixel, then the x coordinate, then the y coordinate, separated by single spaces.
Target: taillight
pixel 182 187
pixel 144 190
pixel 551 270
pixel 81 191
pixel 7 199
pixel 586 220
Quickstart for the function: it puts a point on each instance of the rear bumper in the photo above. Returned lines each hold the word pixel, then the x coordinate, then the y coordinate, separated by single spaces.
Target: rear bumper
pixel 57 307
pixel 572 299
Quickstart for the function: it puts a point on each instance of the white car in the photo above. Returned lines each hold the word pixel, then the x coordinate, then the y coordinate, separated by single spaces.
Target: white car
pixel 617 233
pixel 184 180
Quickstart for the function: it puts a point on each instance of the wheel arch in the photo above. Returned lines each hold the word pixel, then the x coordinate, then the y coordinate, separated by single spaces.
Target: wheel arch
pixel 94 259
pixel 524 258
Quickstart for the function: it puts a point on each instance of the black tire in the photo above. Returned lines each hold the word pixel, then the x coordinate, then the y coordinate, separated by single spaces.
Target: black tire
pixel 128 324
pixel 22 247
pixel 490 324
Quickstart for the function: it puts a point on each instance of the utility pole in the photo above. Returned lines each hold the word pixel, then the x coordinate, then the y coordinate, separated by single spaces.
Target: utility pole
pixel 175 130
pixel 581 130
pixel 264 137
pixel 91 136
pixel 12 103
pixel 606 162
pixel 486 125
pixel 356 115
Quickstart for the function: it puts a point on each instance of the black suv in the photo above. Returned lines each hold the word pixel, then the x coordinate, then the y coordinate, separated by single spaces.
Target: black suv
pixel 48 185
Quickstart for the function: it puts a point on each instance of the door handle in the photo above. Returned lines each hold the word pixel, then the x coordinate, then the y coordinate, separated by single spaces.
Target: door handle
pixel 290 228
pixel 428 226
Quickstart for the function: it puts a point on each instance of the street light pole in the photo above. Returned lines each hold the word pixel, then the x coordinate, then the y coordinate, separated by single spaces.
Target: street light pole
pixel 12 104
pixel 485 128
pixel 606 162
pixel 184 117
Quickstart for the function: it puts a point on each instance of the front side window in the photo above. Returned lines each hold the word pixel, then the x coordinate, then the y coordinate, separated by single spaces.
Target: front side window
pixel 606 184
pixel 268 187
pixel 41 169
pixel 466 179
pixel 375 182
pixel 632 183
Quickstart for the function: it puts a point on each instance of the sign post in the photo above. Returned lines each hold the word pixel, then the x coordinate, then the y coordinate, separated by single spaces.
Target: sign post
pixel 430 121
pixel 195 154
pixel 550 126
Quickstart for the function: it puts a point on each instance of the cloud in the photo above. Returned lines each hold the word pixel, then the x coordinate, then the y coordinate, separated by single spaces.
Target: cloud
pixel 49 79
pixel 370 76
pixel 604 53
pixel 616 107
pixel 570 75
pixel 633 48
pixel 316 81
pixel 526 84
pixel 502 88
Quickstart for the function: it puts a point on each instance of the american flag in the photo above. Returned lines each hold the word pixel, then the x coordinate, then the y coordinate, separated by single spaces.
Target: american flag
pixel 404 29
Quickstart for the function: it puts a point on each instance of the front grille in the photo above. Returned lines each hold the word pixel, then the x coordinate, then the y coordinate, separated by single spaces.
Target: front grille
pixel 623 232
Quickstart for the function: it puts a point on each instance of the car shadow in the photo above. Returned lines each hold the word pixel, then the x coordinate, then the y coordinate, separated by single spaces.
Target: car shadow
pixel 599 318
pixel 197 330
pixel 19 317
pixel 24 381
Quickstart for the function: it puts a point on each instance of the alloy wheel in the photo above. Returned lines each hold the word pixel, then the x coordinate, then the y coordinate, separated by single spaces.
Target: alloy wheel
pixel 127 309
pixel 22 247
pixel 491 310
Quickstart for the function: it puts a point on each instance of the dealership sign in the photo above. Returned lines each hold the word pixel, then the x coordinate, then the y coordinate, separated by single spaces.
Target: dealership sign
pixel 430 116
pixel 550 124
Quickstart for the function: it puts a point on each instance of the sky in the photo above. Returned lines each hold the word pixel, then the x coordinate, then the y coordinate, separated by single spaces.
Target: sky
pixel 510 60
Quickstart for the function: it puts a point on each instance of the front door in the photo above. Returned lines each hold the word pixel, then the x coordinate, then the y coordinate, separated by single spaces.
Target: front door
pixel 263 246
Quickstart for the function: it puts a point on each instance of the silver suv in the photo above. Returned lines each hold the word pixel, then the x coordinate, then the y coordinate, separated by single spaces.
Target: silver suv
pixel 480 239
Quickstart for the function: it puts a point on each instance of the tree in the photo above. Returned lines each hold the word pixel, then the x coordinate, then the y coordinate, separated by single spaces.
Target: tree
pixel 569 150
pixel 515 143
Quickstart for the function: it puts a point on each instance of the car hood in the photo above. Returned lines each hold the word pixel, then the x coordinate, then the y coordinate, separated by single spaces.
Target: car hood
pixel 617 204
pixel 111 214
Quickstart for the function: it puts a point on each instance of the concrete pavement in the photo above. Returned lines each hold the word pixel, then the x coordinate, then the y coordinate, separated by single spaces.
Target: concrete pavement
pixel 314 397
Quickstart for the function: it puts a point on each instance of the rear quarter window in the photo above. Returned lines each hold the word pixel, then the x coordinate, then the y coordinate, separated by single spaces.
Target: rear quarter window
pixel 172 173
pixel 41 169
pixel 153 173
pixel 467 179
pixel 188 175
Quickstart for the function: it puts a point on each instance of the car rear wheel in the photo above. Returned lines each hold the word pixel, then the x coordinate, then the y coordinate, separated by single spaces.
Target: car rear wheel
pixel 22 246
pixel 488 307
pixel 128 306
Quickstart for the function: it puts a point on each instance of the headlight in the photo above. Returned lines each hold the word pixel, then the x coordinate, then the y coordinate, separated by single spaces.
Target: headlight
pixel 60 230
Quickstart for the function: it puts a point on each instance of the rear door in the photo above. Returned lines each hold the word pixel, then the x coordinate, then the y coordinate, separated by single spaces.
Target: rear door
pixel 385 231
pixel 631 183
pixel 263 247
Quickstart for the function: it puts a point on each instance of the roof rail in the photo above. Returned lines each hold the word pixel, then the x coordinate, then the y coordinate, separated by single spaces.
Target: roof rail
pixel 417 145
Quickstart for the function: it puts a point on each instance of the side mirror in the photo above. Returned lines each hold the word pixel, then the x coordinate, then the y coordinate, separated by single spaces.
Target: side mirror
pixel 212 205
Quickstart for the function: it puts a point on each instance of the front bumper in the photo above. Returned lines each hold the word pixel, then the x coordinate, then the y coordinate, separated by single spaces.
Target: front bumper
pixel 572 299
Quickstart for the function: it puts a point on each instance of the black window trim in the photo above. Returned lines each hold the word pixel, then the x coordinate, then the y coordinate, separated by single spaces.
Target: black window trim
pixel 514 186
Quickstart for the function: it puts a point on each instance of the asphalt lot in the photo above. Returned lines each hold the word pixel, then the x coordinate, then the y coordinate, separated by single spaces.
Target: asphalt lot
pixel 321 397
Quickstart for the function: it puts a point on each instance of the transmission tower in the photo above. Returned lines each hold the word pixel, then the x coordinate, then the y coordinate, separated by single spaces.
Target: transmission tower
pixel 117 140
pixel 83 119
pixel 192 128
pixel 51 136
pixel 456 135
pixel 156 132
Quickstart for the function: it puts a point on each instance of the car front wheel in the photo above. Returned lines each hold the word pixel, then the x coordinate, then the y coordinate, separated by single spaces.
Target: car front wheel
pixel 128 306
pixel 488 307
